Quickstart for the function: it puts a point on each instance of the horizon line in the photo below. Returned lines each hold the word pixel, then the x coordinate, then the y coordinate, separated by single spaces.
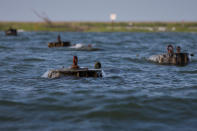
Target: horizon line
pixel 102 21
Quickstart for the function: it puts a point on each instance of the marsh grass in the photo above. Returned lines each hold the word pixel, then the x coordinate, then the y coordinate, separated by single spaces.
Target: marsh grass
pixel 103 26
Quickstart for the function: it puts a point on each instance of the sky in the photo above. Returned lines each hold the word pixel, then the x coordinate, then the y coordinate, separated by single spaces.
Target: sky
pixel 99 10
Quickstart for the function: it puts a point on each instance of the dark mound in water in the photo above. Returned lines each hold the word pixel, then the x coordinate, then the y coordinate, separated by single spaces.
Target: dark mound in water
pixel 82 72
pixel 59 44
pixel 11 32
pixel 180 59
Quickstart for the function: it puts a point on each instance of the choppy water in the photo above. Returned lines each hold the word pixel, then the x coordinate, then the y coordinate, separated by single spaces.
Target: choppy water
pixel 135 94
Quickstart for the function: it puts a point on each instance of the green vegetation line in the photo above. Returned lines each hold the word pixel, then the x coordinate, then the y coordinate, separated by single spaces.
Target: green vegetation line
pixel 102 26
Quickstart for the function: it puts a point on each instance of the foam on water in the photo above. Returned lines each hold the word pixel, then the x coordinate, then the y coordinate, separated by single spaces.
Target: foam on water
pixel 82 46
pixel 153 58
pixel 77 46
pixel 190 57
pixel 45 75
pixel 103 73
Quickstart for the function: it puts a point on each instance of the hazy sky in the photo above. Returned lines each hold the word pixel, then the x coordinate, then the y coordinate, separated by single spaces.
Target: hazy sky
pixel 99 10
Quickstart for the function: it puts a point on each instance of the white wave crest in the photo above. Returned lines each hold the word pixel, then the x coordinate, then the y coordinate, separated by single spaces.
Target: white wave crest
pixel 77 46
pixel 103 74
pixel 154 58
pixel 45 75
pixel 81 46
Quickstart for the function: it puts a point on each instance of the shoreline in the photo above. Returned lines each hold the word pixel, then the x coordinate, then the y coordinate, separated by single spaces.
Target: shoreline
pixel 102 26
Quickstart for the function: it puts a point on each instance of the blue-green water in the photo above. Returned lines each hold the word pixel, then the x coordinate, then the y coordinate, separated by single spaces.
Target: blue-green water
pixel 134 94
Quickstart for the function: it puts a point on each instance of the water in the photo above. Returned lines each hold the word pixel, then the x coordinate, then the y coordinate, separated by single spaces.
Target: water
pixel 135 94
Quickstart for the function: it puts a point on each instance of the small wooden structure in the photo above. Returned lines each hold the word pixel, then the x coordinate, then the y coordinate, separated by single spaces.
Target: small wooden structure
pixel 59 44
pixel 180 59
pixel 11 32
pixel 81 72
